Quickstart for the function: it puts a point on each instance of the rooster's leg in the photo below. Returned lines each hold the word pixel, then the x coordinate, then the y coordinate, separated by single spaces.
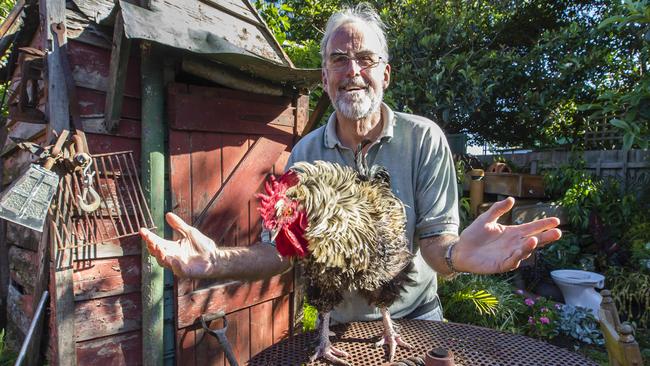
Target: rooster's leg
pixel 390 336
pixel 325 348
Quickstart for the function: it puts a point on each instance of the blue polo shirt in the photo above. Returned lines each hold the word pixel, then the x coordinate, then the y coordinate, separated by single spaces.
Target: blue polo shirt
pixel 416 154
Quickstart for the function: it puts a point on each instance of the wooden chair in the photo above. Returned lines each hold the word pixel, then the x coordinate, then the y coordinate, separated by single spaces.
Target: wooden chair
pixel 622 349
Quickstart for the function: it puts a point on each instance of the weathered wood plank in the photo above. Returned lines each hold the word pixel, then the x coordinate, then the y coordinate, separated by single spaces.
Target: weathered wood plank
pixel 238 333
pixel 261 327
pixel 90 68
pixel 231 297
pixel 302 115
pixel 93 102
pixel 208 350
pixel 117 74
pixel 42 264
pixel 240 186
pixel 230 111
pixel 14 166
pixel 101 144
pixel 180 148
pixel 123 349
pixel 185 345
pixel 106 316
pixel 22 268
pixel 19 309
pixel 281 314
pixel 22 237
pixel 235 148
pixel 106 277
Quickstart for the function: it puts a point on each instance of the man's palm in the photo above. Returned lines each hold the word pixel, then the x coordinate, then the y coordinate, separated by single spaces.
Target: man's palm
pixel 191 256
pixel 490 247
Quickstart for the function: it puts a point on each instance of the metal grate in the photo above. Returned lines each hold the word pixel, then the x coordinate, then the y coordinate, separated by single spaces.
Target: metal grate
pixel 123 209
pixel 471 345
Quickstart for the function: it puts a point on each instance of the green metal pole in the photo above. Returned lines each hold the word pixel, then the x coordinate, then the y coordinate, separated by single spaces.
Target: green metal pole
pixel 153 179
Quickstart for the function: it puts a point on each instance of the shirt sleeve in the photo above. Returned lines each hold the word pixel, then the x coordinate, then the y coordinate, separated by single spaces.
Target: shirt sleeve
pixel 436 194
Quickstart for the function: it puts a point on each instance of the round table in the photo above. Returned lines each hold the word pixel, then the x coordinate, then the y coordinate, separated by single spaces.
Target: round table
pixel 471 345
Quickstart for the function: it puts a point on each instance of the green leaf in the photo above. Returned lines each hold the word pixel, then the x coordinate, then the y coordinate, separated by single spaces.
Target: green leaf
pixel 628 140
pixel 619 123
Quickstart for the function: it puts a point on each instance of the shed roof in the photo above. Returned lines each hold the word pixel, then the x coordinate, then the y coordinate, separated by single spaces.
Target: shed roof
pixel 230 32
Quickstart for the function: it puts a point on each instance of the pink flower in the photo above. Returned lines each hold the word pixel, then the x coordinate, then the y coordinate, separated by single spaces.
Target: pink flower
pixel 531 320
pixel 558 306
pixel 529 301
pixel 544 309
pixel 544 320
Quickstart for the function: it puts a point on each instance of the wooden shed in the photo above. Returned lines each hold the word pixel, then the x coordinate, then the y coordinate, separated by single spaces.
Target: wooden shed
pixel 209 104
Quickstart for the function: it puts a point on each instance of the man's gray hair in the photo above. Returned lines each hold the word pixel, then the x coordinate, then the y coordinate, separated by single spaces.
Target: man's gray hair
pixel 360 13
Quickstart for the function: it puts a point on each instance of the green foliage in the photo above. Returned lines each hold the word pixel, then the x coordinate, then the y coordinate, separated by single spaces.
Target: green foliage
pixel 581 194
pixel 480 300
pixel 564 253
pixel 579 323
pixel 638 237
pixel 631 292
pixel 527 74
pixel 627 106
pixel 310 316
pixel 7 357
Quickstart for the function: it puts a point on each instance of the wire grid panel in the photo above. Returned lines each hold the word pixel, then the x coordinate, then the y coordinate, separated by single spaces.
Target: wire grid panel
pixel 122 211
pixel 470 345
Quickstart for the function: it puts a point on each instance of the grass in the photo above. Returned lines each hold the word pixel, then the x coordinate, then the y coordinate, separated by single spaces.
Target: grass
pixel 7 358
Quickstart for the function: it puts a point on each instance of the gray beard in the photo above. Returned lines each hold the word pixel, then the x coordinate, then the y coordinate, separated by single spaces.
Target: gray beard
pixel 360 107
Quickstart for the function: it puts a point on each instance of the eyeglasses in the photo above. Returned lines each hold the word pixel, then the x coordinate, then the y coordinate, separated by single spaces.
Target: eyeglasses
pixel 340 61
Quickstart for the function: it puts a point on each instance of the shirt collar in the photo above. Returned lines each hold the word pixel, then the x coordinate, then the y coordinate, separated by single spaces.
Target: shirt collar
pixel 331 140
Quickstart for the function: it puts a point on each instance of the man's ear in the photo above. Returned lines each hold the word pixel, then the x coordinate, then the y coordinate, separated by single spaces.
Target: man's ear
pixel 323 74
pixel 387 76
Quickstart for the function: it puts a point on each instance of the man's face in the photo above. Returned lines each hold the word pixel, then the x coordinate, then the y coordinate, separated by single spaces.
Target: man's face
pixel 355 91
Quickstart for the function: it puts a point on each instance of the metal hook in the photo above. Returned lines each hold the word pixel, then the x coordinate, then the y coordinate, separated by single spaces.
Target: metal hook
pixel 94 203
pixel 88 189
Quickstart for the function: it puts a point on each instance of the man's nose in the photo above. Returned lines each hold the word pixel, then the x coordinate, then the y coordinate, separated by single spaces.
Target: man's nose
pixel 353 68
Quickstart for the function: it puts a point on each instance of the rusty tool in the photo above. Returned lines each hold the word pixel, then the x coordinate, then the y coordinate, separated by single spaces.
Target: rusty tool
pixel 27 200
pixel 220 334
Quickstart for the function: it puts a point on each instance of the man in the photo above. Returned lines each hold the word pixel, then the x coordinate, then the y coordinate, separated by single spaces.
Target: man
pixel 413 149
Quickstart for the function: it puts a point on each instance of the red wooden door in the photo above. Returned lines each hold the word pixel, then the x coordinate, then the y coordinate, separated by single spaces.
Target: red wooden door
pixel 222 145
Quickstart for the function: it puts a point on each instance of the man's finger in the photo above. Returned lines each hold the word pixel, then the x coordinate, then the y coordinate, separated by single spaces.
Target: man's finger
pixel 176 223
pixel 549 236
pixel 498 209
pixel 537 226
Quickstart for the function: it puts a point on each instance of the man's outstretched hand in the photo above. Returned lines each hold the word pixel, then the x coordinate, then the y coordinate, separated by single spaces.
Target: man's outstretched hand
pixel 193 255
pixel 487 247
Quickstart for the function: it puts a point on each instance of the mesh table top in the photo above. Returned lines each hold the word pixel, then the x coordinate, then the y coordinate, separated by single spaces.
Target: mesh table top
pixel 471 345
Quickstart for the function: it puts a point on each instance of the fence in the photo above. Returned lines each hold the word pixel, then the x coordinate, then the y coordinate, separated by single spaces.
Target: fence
pixel 630 168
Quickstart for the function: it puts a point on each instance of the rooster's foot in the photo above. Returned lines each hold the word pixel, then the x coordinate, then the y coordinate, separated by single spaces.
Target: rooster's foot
pixel 392 340
pixel 330 353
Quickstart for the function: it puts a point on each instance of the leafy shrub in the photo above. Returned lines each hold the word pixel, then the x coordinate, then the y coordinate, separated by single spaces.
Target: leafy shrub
pixel 631 293
pixel 7 357
pixel 579 323
pixel 486 301
pixel 564 253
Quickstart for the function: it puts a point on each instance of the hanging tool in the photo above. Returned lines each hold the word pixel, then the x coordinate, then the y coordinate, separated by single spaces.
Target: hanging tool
pixel 89 199
pixel 26 201
pixel 220 334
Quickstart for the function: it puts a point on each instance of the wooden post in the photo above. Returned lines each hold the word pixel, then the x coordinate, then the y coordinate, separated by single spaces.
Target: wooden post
pixel 116 75
pixel 53 12
pixel 476 190
pixel 153 182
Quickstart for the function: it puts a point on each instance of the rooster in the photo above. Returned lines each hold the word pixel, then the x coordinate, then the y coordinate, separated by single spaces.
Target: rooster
pixel 348 229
